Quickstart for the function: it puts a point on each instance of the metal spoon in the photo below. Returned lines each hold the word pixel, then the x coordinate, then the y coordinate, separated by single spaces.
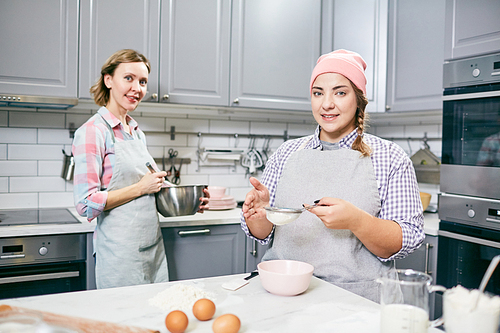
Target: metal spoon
pixel 150 167
pixel 487 275
pixel 308 206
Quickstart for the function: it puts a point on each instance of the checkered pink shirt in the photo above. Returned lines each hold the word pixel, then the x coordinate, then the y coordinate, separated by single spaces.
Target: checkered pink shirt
pixel 397 184
pixel 94 153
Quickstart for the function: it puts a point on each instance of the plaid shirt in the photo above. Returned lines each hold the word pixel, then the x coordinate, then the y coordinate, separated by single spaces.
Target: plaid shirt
pixel 94 153
pixel 397 184
pixel 489 154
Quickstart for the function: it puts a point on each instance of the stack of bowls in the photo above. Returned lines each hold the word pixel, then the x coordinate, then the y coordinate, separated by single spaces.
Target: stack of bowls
pixel 219 200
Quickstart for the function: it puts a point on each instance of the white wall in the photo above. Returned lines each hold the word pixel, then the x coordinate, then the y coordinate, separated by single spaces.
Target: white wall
pixel 31 143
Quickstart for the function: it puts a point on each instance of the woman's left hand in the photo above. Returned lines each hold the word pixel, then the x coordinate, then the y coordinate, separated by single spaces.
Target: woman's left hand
pixel 337 213
pixel 381 237
pixel 204 201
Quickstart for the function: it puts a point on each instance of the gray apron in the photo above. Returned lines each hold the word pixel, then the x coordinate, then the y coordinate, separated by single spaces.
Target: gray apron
pixel 338 256
pixel 129 244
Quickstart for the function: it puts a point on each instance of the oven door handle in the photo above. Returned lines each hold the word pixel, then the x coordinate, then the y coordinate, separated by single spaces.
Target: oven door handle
pixel 39 277
pixel 469 239
pixel 483 94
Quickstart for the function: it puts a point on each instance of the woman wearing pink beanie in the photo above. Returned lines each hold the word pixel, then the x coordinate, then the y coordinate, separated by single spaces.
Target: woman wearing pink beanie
pixel 369 211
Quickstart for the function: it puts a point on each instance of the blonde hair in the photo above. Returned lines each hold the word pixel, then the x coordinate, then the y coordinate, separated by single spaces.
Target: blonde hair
pixel 361 122
pixel 99 90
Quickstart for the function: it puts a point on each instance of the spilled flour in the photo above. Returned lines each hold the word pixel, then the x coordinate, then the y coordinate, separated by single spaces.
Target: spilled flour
pixel 179 297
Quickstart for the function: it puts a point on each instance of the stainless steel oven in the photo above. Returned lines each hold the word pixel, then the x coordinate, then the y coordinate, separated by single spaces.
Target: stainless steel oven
pixel 41 264
pixel 471 127
pixel 469 202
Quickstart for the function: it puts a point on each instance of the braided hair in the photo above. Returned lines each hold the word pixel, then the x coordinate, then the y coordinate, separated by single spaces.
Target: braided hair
pixel 361 122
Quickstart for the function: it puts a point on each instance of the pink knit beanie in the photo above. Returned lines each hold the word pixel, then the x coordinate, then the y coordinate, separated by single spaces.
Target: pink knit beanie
pixel 350 64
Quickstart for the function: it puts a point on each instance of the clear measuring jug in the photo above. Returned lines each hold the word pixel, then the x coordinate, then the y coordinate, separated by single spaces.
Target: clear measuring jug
pixel 405 301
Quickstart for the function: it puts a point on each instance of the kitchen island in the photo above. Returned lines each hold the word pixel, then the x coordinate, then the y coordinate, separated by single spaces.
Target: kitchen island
pixel 322 308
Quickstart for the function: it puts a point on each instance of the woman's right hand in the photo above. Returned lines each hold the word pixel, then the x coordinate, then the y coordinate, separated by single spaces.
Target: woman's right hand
pixel 152 182
pixel 255 201
pixel 254 212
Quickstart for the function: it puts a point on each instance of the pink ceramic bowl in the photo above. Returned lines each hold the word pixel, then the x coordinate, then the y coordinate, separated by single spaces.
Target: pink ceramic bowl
pixel 216 192
pixel 285 277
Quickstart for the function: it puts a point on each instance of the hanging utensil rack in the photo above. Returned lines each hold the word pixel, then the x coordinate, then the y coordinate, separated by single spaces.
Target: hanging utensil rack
pixel 173 133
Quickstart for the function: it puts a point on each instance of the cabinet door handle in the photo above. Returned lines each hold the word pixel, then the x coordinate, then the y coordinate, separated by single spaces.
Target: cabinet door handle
pixel 236 101
pixel 428 248
pixel 166 97
pixel 193 232
pixel 254 248
pixel 154 96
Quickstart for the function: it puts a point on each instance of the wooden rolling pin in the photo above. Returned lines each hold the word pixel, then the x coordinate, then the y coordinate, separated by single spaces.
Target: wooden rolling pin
pixel 82 324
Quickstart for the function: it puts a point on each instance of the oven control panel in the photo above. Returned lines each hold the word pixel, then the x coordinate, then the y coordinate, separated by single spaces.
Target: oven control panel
pixel 40 249
pixel 479 212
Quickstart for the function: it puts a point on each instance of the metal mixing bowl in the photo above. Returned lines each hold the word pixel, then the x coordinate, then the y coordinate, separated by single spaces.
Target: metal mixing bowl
pixel 179 200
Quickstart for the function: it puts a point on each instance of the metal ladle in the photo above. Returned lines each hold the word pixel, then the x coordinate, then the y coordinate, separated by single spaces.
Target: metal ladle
pixel 150 167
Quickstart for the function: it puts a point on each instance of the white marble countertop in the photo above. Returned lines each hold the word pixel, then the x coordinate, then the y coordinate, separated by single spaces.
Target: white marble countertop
pixel 210 217
pixel 231 216
pixel 322 308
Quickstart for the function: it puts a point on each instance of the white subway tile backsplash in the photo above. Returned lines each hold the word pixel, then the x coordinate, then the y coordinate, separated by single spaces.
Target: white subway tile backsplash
pixel 239 193
pixel 18 168
pixel 18 135
pixel 236 180
pixel 4 184
pixel 56 200
pixel 4 118
pixel 150 123
pixel 18 200
pixel 34 152
pixel 31 144
pixel 164 140
pixel 76 119
pixel 188 125
pixel 50 168
pixel 37 184
pixel 267 128
pixel 301 129
pixel 390 131
pixel 3 151
pixel 56 136
pixel 231 127
pixel 433 131
pixel 37 119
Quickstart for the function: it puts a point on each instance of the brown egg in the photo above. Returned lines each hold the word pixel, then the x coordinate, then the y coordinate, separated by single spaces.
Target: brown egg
pixel 176 321
pixel 204 309
pixel 227 323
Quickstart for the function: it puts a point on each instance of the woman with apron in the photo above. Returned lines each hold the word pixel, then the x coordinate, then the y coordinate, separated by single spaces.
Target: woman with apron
pixel 369 210
pixel 112 182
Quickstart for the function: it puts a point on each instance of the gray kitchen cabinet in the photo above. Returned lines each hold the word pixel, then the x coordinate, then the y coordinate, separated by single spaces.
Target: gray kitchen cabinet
pixel 195 49
pixel 39 47
pixel 203 251
pixel 109 26
pixel 360 26
pixel 415 55
pixel 274 47
pixel 255 252
pixel 424 259
pixel 472 28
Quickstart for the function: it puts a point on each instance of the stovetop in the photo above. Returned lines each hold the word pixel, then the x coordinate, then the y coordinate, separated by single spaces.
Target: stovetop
pixel 12 217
